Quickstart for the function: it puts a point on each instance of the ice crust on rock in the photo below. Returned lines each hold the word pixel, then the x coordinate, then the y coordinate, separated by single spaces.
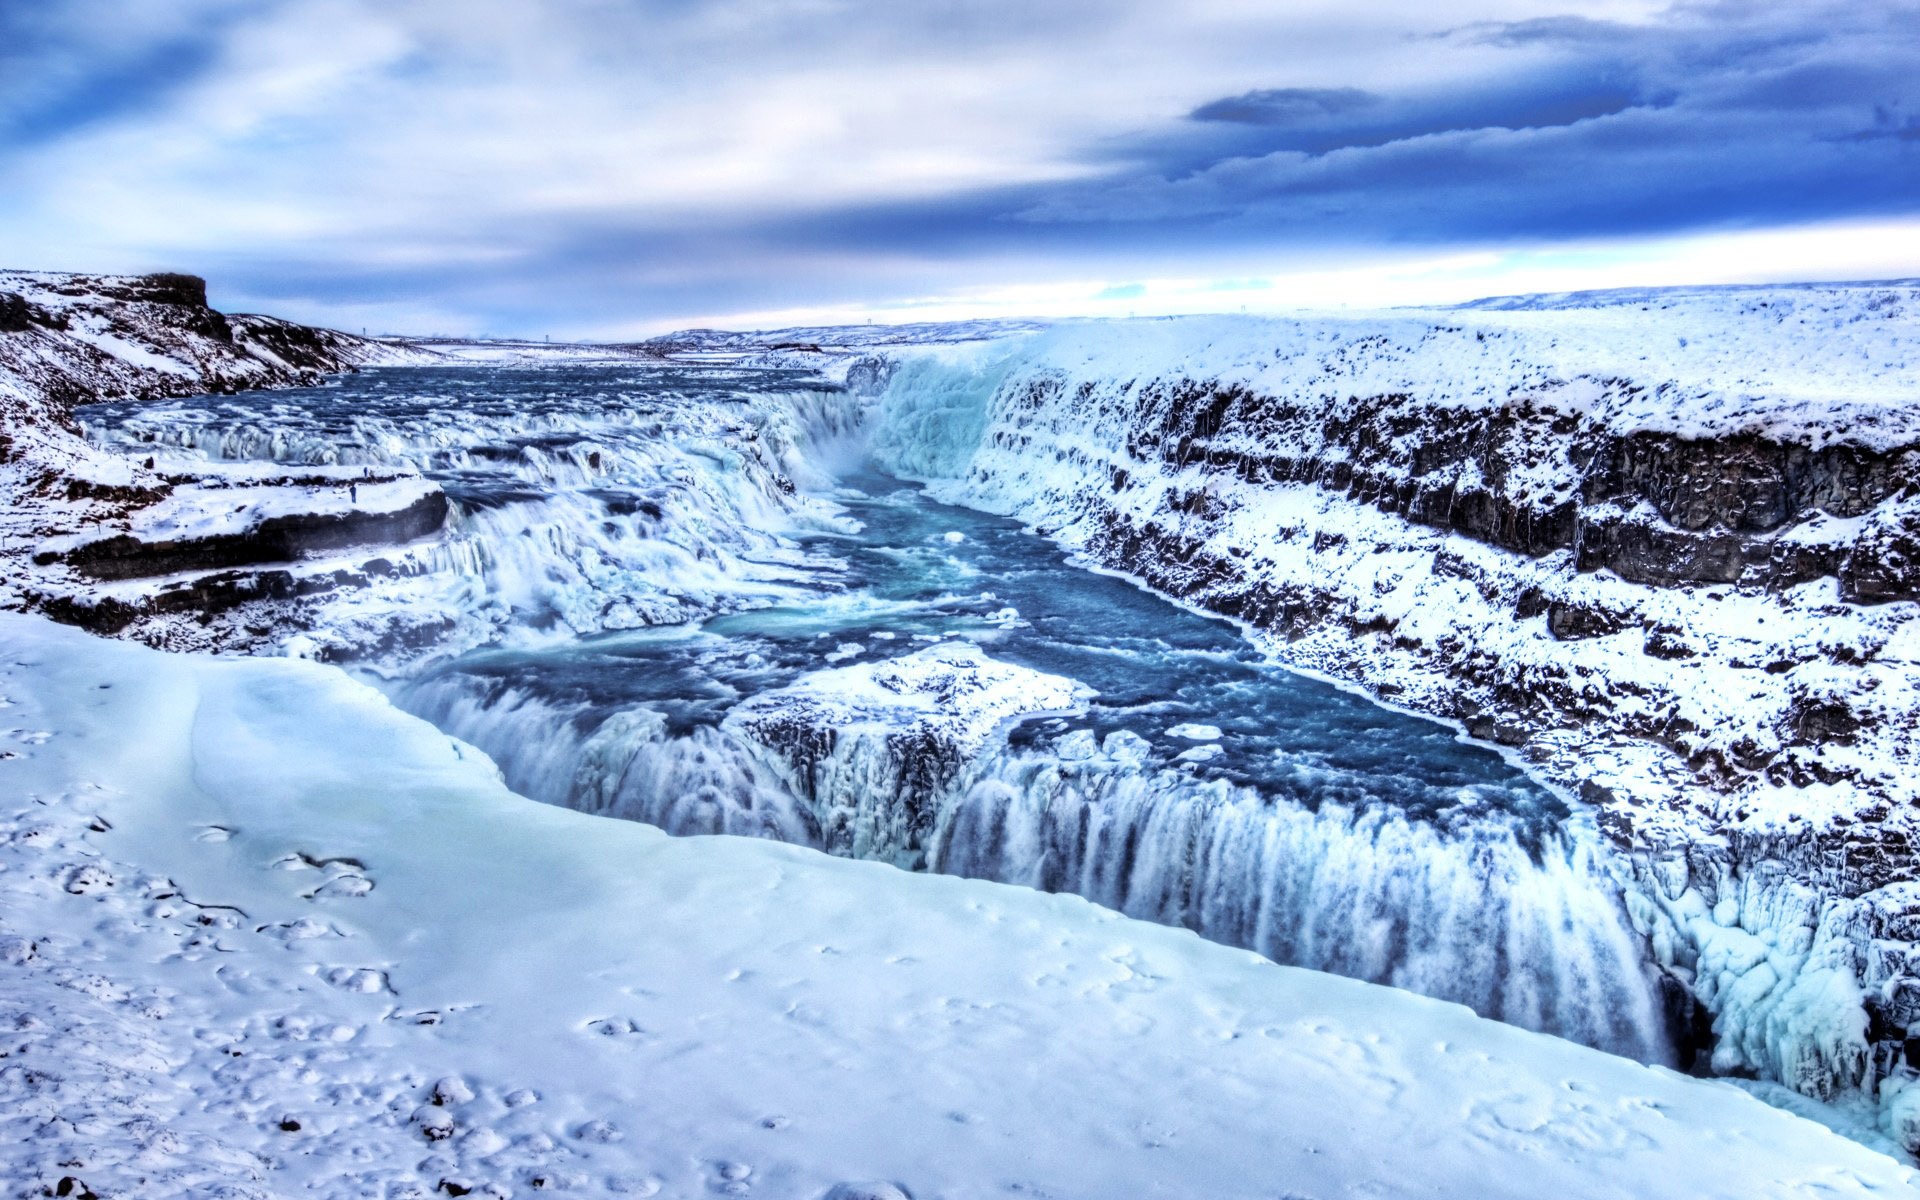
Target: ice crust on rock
pixel 917 1029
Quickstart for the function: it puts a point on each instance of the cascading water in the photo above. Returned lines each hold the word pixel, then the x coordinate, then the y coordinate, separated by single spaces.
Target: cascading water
pixel 582 498
pixel 599 510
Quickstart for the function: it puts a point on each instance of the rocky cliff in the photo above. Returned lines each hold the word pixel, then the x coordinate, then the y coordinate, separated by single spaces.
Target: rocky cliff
pixel 1664 545
pixel 75 515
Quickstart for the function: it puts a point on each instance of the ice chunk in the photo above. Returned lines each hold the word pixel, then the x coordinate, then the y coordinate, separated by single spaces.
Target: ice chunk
pixel 1195 732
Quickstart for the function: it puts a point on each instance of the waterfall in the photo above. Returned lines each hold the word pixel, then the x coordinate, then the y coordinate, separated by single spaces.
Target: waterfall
pixel 1524 930
pixel 572 510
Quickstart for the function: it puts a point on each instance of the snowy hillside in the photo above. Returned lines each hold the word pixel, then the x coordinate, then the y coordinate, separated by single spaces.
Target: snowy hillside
pixel 250 945
pixel 841 337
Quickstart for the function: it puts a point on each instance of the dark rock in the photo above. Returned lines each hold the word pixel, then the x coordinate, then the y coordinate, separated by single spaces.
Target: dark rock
pixel 1884 564
pixel 273 540
pixel 15 313
pixel 1827 720
pixel 1667 644
pixel 1569 621
pixel 168 287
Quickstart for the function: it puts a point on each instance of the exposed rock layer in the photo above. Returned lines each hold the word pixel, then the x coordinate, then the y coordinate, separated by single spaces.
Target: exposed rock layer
pixel 78 516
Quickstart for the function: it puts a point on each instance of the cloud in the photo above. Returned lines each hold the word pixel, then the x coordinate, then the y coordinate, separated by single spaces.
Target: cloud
pixel 491 165
pixel 1734 115
pixel 1283 106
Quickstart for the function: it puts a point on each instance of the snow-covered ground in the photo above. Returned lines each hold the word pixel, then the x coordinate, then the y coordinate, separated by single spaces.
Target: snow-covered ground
pixel 263 935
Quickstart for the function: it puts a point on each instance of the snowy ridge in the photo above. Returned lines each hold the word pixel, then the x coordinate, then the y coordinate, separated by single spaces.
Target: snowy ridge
pixel 102 336
pixel 1583 532
pixel 244 960
pixel 75 514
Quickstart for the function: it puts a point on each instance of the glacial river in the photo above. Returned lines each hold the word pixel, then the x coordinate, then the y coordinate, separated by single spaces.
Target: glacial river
pixel 1202 786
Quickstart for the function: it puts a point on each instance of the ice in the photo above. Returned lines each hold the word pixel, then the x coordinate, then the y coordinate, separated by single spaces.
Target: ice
pixel 915 1030
pixel 1195 732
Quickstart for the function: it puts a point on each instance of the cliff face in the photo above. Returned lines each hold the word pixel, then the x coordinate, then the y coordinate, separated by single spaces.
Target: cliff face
pixel 1666 550
pixel 76 515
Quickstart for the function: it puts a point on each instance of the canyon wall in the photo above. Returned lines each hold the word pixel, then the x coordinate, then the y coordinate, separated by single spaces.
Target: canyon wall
pixel 1663 546
pixel 77 516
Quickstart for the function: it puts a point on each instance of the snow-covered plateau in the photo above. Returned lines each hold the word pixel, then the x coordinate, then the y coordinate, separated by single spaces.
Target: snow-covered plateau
pixel 1661 549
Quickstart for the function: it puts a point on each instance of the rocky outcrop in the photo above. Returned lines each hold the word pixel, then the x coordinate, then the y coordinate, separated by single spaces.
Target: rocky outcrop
pixel 78 516
pixel 873 749
pixel 279 538
pixel 1532 477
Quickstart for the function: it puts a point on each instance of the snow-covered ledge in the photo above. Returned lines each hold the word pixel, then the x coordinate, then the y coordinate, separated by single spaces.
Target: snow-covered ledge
pixel 874 746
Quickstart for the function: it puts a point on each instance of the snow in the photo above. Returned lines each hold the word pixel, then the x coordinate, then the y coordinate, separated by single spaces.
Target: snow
pixel 223 509
pixel 1817 363
pixel 253 942
pixel 951 687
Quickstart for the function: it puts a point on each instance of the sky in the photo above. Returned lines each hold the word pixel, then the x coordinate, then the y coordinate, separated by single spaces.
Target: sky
pixel 611 168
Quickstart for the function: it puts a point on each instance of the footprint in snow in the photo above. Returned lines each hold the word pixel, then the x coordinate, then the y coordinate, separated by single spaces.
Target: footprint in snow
pixel 731 1178
pixel 305 929
pixel 600 1132
pixel 873 1190
pixel 348 885
pixel 365 980
pixel 615 1027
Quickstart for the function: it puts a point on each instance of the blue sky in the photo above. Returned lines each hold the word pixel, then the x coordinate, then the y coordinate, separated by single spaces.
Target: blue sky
pixel 605 167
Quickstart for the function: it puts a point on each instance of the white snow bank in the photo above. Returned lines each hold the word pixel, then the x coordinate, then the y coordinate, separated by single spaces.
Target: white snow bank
pixel 260 931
